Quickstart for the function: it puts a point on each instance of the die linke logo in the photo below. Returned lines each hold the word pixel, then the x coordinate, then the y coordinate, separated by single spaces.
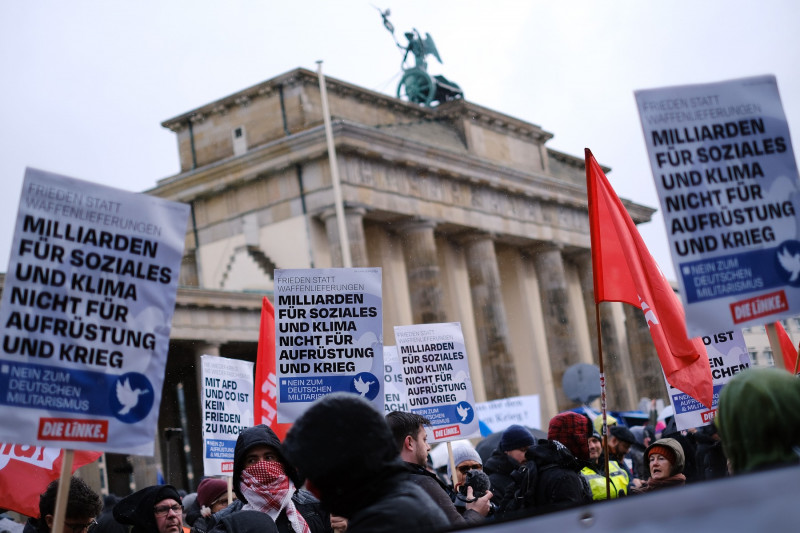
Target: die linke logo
pixel 40 456
pixel 62 429
pixel 449 431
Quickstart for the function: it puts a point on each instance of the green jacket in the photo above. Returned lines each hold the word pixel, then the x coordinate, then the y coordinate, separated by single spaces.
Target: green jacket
pixel 758 419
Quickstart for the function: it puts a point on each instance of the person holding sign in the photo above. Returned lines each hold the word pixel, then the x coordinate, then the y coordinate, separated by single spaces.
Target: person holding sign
pixel 83 506
pixel 345 449
pixel 411 438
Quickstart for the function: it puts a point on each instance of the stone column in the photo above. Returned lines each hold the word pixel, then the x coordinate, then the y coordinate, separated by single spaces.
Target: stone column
pixel 561 343
pixel 620 379
pixel 500 378
pixel 354 221
pixel 423 273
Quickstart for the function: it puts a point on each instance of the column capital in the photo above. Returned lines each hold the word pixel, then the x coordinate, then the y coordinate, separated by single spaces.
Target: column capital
pixel 329 212
pixel 414 225
pixel 470 237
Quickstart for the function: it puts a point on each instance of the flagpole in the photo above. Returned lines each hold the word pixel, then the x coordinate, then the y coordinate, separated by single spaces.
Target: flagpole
pixel 797 360
pixel 775 345
pixel 602 399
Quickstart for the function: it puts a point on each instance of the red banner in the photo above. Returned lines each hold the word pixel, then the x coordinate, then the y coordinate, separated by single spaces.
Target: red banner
pixel 265 405
pixel 25 472
pixel 624 271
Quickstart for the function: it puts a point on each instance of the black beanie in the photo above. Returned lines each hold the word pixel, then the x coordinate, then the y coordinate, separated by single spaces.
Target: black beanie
pixel 515 437
pixel 138 509
pixel 343 446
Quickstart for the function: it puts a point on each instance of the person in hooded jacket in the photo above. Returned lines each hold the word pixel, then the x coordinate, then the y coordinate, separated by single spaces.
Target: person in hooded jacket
pixel 550 479
pixel 154 509
pixel 509 454
pixel 346 451
pixel 666 461
pixel 264 480
pixel 758 420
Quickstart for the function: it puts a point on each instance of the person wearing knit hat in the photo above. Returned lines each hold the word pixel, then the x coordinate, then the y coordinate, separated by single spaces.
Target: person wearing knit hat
pixel 212 496
pixel 550 478
pixel 666 460
pixel 155 509
pixel 346 451
pixel 509 454
pixel 466 458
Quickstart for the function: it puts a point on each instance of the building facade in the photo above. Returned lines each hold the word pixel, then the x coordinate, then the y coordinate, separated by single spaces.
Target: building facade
pixel 468 213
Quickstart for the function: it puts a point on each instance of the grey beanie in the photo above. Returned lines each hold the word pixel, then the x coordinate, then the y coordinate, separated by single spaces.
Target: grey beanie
pixel 461 453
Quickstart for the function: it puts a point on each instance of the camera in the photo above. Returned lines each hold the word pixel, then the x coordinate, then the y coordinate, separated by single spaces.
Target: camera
pixel 478 480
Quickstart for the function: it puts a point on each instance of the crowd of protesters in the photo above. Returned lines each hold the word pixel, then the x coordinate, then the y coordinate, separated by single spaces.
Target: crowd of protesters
pixel 345 467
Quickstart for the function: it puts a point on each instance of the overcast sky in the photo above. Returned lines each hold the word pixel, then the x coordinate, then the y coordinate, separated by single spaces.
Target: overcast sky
pixel 86 84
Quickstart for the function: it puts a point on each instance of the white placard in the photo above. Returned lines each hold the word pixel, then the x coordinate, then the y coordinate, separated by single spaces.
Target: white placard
pixel 499 414
pixel 86 311
pixel 726 176
pixel 727 356
pixel 394 389
pixel 227 410
pixel 436 374
pixel 328 336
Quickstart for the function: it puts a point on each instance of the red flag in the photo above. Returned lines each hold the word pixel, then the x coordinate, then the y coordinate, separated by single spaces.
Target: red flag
pixel 787 347
pixel 624 271
pixel 25 472
pixel 265 402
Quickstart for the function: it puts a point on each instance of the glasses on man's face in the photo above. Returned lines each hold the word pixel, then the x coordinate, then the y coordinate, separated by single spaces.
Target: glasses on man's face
pixel 79 528
pixel 466 468
pixel 163 510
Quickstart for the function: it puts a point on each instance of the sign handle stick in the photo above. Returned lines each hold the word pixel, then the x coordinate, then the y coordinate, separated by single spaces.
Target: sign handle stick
pixel 775 345
pixel 64 483
pixel 452 462
pixel 229 479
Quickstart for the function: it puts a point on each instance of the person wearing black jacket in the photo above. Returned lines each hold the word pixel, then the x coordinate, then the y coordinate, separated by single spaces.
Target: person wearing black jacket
pixel 550 478
pixel 264 480
pixel 345 450
pixel 506 458
pixel 408 430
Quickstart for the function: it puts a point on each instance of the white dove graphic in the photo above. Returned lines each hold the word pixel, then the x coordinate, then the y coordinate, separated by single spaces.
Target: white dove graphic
pixel 790 263
pixel 127 397
pixel 361 386
pixel 462 412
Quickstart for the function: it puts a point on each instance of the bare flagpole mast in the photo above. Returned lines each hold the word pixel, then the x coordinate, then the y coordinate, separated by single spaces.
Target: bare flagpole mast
pixel 338 201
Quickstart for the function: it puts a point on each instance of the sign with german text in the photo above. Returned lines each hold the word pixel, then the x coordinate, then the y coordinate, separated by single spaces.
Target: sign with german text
pixel 394 388
pixel 499 414
pixel 86 312
pixel 436 375
pixel 328 336
pixel 227 410
pixel 727 356
pixel 727 179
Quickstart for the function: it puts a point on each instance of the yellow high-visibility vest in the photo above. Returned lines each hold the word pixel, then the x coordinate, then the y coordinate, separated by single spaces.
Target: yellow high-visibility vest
pixel 597 482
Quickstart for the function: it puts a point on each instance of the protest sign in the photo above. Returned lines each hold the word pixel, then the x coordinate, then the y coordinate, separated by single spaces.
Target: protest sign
pixel 499 414
pixel 227 410
pixel 86 313
pixel 329 336
pixel 727 180
pixel 436 374
pixel 727 356
pixel 395 396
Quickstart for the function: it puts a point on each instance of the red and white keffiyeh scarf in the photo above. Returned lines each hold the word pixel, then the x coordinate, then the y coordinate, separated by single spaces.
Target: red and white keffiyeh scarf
pixel 268 489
